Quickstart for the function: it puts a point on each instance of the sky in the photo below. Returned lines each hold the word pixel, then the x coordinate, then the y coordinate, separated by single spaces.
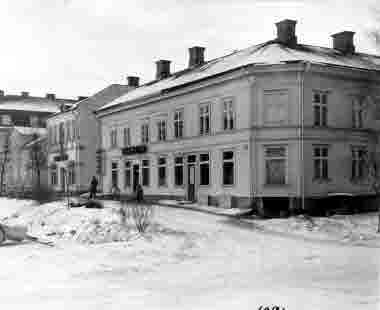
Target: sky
pixel 77 47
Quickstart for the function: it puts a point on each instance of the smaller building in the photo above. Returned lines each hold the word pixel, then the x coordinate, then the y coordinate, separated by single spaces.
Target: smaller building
pixel 74 139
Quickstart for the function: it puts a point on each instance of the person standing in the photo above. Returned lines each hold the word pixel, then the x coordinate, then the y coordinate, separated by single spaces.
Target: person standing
pixel 93 187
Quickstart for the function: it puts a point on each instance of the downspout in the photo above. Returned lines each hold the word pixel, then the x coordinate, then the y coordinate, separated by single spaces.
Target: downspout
pixel 301 134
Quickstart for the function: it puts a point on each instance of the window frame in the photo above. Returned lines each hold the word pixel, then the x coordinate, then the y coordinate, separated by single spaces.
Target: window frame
pixel 202 119
pixel 358 110
pixel 126 136
pixel 113 138
pixel 233 160
pixel 229 114
pixel 144 128
pixel 202 163
pixel 117 173
pixel 161 130
pixel 179 123
pixel 54 176
pixel 145 167
pixel 181 166
pixel 267 158
pixel 127 169
pixel 320 108
pixel 324 159
pixel 358 163
pixel 162 166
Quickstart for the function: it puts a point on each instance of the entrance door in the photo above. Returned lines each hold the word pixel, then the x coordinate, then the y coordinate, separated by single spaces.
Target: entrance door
pixel 191 180
pixel 63 179
pixel 136 175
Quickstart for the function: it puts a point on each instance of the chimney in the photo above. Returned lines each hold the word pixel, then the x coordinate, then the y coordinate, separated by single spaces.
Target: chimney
pixel 344 42
pixel 133 81
pixel 24 94
pixel 286 32
pixel 50 96
pixel 163 69
pixel 196 54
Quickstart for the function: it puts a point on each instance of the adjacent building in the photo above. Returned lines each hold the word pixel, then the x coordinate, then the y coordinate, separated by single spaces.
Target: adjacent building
pixel 280 122
pixel 74 139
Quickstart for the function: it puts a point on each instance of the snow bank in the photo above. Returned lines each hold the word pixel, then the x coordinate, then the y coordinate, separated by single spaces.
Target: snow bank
pixel 55 220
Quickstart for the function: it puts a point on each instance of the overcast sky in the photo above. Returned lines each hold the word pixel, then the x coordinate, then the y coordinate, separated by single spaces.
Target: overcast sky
pixel 77 47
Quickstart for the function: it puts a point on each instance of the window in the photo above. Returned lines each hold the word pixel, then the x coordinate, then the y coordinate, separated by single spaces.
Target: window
pixel 228 114
pixel 178 123
pixel 61 137
pixel 71 175
pixel 161 171
pixel 275 165
pixel 321 168
pixel 320 108
pixel 358 164
pixel 126 136
pixel 127 174
pixel 228 168
pixel 161 130
pixel 34 121
pixel 54 176
pixel 73 131
pixel 275 105
pixel 204 169
pixel 178 171
pixel 57 134
pixel 145 132
pixel 115 174
pixel 357 112
pixel 68 131
pixel 145 172
pixel 204 125
pixel 6 119
pixel 113 136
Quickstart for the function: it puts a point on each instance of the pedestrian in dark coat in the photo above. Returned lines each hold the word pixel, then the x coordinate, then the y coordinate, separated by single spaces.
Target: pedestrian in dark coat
pixel 93 187
pixel 139 193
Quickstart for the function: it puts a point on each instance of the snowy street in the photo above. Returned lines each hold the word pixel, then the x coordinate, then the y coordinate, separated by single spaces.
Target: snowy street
pixel 194 261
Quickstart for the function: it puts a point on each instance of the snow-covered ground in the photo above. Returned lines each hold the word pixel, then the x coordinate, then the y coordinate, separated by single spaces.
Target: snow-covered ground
pixel 189 260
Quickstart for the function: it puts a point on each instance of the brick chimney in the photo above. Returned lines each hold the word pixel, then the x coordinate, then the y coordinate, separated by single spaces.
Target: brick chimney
pixel 24 94
pixel 163 69
pixel 286 32
pixel 50 96
pixel 196 54
pixel 133 81
pixel 344 42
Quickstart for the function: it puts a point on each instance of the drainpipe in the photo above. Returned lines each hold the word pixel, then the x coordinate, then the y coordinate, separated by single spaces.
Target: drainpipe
pixel 301 131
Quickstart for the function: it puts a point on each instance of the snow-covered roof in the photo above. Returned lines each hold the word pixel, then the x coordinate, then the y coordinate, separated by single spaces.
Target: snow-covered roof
pixel 267 53
pixel 30 130
pixel 30 106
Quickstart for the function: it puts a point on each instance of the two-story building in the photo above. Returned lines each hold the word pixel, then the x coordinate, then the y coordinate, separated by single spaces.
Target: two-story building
pixel 74 139
pixel 280 122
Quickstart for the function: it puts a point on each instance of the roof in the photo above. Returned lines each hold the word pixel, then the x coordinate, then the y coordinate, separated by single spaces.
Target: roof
pixel 267 53
pixel 30 130
pixel 100 98
pixel 35 141
pixel 32 105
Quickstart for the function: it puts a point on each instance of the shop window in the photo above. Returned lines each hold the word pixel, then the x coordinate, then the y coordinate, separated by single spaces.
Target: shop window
pixel 178 123
pixel 115 174
pixel 178 171
pixel 275 165
pixel 127 174
pixel 162 171
pixel 321 163
pixel 204 169
pixel 145 172
pixel 228 168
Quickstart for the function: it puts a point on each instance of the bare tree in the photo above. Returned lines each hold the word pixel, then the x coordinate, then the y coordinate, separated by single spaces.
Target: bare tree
pixel 4 160
pixel 372 164
pixel 37 160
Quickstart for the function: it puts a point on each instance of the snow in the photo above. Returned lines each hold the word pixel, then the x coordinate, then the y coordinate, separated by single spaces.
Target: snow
pixel 30 131
pixel 262 54
pixel 191 261
pixel 27 105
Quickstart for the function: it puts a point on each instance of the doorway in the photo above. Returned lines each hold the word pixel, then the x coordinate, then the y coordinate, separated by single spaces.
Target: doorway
pixel 136 176
pixel 191 177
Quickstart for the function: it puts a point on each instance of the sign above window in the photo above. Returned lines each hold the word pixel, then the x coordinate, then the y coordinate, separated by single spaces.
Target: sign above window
pixel 136 149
